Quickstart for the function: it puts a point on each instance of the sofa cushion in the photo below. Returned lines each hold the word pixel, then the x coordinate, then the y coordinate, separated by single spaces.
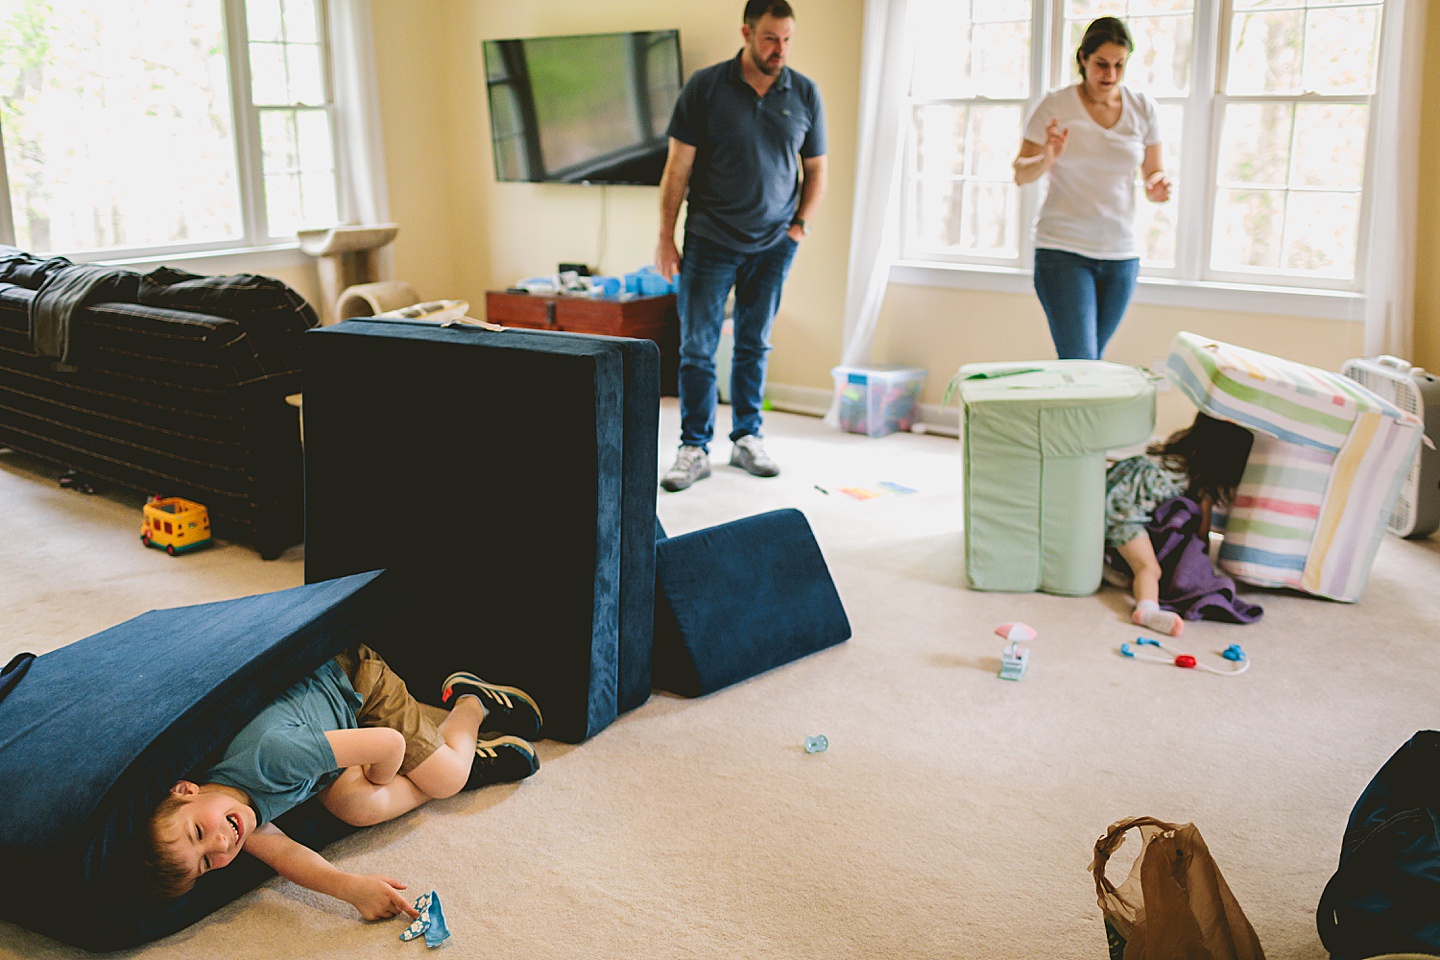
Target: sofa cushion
pixel 737 599
pixel 423 446
pixel 96 732
pixel 270 312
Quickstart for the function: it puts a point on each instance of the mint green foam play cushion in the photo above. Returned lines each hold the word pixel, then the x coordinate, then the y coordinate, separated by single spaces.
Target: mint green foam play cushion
pixel 1035 436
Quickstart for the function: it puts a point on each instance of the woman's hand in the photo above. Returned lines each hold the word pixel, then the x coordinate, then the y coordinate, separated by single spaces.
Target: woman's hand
pixel 377 897
pixel 1055 138
pixel 1157 187
pixel 1035 159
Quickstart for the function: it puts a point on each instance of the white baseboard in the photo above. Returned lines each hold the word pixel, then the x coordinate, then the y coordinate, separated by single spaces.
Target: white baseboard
pixel 814 402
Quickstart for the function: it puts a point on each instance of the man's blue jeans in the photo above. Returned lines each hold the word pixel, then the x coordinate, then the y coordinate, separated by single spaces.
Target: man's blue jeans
pixel 708 271
pixel 1084 299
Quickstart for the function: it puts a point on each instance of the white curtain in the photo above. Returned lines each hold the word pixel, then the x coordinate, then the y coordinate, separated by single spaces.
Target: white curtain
pixel 1390 261
pixel 874 234
pixel 364 198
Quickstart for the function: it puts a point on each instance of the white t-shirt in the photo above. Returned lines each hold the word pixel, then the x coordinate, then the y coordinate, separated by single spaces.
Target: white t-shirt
pixel 1089 205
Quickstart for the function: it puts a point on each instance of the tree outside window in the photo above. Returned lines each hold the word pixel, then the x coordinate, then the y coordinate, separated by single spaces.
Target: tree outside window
pixel 122 133
pixel 1265 107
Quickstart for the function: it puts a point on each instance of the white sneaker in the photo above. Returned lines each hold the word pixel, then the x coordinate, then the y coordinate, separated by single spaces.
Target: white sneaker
pixel 691 464
pixel 748 453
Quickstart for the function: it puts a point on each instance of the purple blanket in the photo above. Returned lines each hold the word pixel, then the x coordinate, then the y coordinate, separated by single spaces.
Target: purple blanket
pixel 1189 583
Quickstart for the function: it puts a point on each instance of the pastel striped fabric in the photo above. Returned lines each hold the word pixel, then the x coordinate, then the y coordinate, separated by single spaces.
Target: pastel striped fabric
pixel 1322 478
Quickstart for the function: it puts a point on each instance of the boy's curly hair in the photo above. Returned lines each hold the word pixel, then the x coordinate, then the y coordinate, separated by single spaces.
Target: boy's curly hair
pixel 1212 453
pixel 164 877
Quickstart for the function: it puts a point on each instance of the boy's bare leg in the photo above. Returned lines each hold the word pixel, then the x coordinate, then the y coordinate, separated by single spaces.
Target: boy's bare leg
pixel 359 802
pixel 444 772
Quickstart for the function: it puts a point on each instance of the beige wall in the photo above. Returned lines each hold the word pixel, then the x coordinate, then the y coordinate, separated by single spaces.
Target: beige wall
pixel 1427 254
pixel 463 233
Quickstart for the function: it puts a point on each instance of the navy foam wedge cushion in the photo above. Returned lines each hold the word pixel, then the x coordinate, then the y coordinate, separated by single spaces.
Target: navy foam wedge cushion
pixel 507 480
pixel 96 733
pixel 741 598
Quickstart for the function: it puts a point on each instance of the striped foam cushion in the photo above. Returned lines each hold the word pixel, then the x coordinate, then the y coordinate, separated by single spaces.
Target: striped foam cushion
pixel 1323 475
pixel 1287 400
pixel 1272 521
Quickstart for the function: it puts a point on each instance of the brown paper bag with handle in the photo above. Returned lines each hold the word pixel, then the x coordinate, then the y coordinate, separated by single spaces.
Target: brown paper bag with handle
pixel 1174 904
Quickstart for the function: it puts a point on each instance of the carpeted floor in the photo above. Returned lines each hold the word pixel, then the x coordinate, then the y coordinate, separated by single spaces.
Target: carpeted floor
pixel 953 815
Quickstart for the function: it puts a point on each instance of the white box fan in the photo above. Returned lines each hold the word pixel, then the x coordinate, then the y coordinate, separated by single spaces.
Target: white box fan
pixel 1417 509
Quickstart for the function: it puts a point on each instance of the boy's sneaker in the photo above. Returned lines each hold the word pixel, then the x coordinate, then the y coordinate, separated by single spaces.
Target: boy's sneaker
pixel 748 453
pixel 502 760
pixel 507 709
pixel 691 463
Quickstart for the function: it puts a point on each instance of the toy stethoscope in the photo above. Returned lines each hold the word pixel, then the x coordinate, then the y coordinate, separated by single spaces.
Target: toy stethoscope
pixel 1185 660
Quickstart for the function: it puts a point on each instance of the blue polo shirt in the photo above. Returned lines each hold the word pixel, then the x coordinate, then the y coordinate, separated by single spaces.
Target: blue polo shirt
pixel 745 185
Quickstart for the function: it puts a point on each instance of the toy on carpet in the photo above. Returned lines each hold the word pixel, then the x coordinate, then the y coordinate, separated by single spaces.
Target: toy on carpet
pixel 75 480
pixel 175 525
pixel 817 744
pixel 1015 658
pixel 1232 653
pixel 430 923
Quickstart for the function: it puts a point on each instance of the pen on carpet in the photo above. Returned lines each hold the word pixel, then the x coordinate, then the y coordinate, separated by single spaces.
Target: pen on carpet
pixel 822 489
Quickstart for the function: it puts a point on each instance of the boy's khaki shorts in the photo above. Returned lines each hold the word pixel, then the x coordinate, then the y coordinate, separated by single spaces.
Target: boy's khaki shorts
pixel 389 704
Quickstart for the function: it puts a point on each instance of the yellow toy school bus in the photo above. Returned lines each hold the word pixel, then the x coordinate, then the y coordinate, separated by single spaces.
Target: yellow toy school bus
pixel 175 525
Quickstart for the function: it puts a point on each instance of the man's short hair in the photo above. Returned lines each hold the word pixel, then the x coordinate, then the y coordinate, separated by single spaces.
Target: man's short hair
pixel 755 9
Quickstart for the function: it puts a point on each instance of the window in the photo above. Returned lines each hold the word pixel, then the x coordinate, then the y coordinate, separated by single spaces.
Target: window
pixel 1265 107
pixel 163 126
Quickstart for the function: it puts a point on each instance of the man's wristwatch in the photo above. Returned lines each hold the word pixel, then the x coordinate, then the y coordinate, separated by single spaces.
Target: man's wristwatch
pixel 799 222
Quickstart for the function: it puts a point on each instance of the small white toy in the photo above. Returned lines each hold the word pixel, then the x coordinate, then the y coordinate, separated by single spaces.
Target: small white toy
pixel 1015 658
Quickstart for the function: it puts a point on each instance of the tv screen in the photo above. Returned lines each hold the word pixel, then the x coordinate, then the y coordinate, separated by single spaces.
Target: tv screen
pixel 582 109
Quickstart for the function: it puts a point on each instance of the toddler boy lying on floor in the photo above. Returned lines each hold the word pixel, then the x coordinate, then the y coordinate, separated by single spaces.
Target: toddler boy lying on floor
pixel 351 733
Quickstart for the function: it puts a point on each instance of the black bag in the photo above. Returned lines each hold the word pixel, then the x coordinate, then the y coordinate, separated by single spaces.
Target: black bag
pixel 1385 897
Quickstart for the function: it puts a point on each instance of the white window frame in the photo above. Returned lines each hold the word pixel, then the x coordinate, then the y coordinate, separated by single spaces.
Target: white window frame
pixel 1190 283
pixel 255 250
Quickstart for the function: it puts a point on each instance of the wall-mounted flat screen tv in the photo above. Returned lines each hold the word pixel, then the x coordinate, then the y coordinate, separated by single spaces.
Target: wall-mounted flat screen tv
pixel 583 109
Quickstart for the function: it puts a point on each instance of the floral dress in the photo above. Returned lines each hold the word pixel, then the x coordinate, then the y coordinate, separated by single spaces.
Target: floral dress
pixel 1134 487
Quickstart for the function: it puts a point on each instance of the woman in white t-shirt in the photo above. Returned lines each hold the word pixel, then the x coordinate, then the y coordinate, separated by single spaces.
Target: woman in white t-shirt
pixel 1089 137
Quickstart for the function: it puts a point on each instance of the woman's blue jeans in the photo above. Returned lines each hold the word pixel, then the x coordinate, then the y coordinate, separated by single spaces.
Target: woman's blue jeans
pixel 1084 299
pixel 708 271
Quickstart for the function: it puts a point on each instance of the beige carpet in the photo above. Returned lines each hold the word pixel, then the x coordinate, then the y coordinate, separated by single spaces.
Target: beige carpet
pixel 954 813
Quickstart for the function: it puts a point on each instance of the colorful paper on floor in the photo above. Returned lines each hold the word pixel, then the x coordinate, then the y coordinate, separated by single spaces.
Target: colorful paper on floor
pixel 882 488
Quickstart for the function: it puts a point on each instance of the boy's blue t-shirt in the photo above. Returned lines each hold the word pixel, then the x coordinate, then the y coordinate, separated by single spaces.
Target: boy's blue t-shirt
pixel 282 758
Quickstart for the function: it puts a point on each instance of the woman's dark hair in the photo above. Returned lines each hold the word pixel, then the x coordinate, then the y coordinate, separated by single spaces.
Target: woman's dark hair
pixel 1211 452
pixel 1100 32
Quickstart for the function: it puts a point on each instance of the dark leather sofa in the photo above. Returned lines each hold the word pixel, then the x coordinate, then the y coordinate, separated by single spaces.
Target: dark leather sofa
pixel 168 383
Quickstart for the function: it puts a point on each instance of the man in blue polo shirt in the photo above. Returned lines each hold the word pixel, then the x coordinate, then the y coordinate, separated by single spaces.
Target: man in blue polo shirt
pixel 742 133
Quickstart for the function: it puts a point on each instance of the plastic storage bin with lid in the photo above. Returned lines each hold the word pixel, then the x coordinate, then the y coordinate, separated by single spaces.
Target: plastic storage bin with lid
pixel 876 400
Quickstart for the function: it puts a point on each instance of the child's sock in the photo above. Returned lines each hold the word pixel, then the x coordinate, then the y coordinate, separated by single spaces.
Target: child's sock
pixel 1148 614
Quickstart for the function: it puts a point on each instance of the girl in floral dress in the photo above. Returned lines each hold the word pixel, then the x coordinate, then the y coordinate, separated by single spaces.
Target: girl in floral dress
pixel 1203 462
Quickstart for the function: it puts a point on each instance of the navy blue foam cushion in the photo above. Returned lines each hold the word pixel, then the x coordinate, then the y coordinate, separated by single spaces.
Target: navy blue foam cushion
pixel 95 734
pixel 507 480
pixel 737 599
pixel 638 463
